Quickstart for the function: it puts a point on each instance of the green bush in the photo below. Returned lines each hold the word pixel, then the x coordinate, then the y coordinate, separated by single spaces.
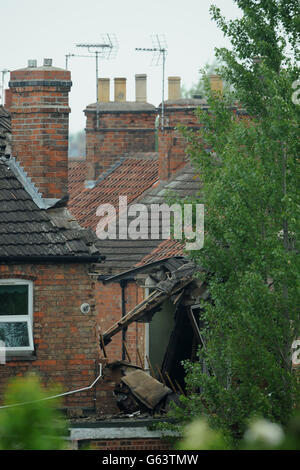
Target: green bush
pixel 32 426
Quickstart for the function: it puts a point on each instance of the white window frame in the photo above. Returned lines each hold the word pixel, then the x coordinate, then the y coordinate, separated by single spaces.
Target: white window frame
pixel 17 350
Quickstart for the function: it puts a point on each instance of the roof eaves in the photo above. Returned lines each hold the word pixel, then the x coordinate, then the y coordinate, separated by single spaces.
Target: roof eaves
pixel 128 274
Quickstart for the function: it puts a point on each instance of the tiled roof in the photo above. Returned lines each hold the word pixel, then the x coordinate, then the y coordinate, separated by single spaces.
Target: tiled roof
pixel 166 249
pixel 5 122
pixel 5 130
pixel 27 231
pixel 76 177
pixel 131 177
pixel 123 255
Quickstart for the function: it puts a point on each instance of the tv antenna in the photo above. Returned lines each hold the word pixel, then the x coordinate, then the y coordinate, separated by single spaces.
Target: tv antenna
pixel 75 55
pixel 159 49
pixel 106 49
pixel 4 72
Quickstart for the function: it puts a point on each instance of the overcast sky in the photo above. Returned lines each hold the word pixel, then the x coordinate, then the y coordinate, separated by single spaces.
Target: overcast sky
pixel 34 29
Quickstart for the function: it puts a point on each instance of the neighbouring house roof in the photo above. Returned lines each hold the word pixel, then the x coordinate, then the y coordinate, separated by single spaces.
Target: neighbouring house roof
pixel 28 232
pixel 122 255
pixel 166 249
pixel 129 177
pixel 76 177
pixel 121 107
pixel 5 122
pixel 5 131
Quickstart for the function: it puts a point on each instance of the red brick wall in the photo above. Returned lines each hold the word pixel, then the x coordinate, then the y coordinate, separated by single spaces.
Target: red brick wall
pixel 109 302
pixel 116 135
pixel 40 119
pixel 108 299
pixel 171 147
pixel 127 444
pixel 8 97
pixel 66 342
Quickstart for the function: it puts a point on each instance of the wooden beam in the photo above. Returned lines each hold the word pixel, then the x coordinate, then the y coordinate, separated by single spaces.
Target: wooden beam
pixel 150 367
pixel 149 303
pixel 103 345
pixel 140 358
pixel 126 350
pixel 171 383
pixel 160 374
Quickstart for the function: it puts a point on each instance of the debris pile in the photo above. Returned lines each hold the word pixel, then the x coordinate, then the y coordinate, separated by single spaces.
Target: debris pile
pixel 136 391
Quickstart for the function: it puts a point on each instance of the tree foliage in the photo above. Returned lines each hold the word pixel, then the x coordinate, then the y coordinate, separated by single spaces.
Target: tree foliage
pixel 36 425
pixel 248 160
pixel 199 89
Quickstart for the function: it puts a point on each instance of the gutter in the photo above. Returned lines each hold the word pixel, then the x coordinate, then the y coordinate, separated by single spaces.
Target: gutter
pixel 54 259
pixel 129 275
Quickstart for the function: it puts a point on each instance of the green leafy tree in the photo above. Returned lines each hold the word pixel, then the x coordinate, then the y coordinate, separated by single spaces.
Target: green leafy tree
pixel 248 160
pixel 198 88
pixel 36 425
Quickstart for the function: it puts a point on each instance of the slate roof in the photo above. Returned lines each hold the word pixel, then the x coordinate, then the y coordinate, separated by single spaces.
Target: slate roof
pixel 26 231
pixel 123 255
pixel 5 122
pixel 5 130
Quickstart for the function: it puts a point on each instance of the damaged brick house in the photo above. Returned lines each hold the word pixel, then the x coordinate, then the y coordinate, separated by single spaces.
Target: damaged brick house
pixel 128 166
pixel 61 295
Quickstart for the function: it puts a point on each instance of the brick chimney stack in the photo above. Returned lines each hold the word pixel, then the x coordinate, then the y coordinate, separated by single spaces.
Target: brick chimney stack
pixel 119 128
pixel 171 144
pixel 7 99
pixel 40 124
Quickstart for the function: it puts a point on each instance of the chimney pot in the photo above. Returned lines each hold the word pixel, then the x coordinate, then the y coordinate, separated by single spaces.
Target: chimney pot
pixel 141 88
pixel 47 62
pixel 32 63
pixel 216 83
pixel 174 92
pixel 103 90
pixel 120 89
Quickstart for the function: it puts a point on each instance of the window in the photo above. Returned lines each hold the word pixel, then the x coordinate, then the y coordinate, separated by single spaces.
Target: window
pixel 16 307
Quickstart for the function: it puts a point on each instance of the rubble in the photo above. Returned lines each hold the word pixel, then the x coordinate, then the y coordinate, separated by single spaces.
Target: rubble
pixel 136 391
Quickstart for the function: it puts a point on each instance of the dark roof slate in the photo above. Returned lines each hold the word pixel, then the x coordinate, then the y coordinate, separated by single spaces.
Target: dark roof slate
pixel 123 255
pixel 28 231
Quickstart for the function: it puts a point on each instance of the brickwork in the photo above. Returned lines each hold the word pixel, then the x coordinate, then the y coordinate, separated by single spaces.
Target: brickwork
pixel 109 300
pixel 116 135
pixel 172 146
pixel 127 444
pixel 65 340
pixel 40 119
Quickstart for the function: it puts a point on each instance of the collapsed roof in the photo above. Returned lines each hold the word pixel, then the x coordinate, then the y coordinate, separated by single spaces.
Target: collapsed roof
pixel 168 284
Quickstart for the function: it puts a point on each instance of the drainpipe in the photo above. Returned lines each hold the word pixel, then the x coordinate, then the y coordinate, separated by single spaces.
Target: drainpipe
pixel 156 132
pixel 123 286
pixel 59 395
